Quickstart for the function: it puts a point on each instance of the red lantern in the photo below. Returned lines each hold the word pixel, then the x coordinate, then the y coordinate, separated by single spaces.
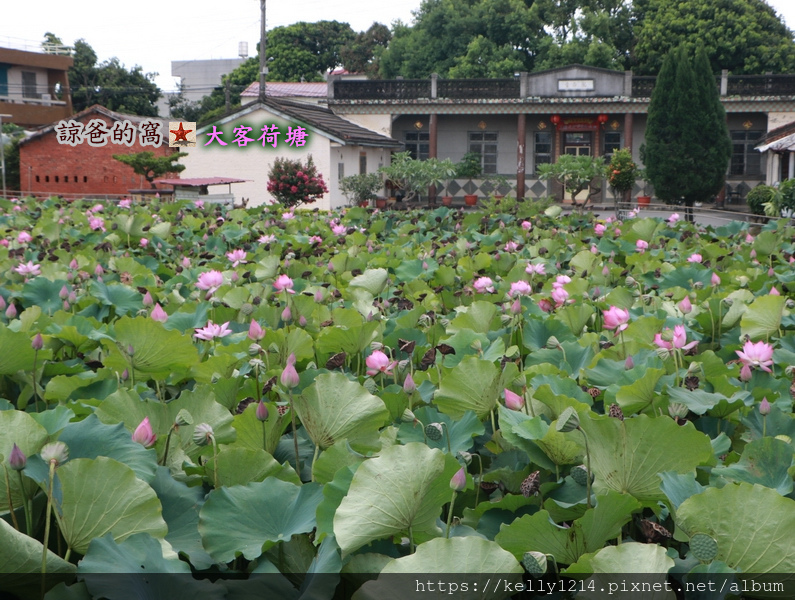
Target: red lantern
pixel 602 119
pixel 555 119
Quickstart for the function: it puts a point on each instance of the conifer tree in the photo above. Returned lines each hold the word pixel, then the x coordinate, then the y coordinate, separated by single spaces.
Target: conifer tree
pixel 687 147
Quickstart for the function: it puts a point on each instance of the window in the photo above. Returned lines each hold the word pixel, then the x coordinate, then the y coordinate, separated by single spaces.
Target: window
pixel 418 144
pixel 29 84
pixel 38 179
pixel 3 80
pixel 85 179
pixel 362 162
pixel 340 171
pixel 542 148
pixel 485 144
pixel 612 143
pixel 745 160
pixel 46 179
pixel 75 178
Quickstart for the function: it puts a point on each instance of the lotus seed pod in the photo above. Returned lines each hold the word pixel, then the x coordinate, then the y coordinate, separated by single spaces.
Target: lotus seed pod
pixel 616 412
pixel 568 420
pixel 55 451
pixel 434 431
pixel 531 484
pixel 553 342
pixel 408 417
pixel 677 410
pixel 203 434
pixel 183 418
pixel 703 547
pixel 247 308
pixel 580 474
pixel 535 563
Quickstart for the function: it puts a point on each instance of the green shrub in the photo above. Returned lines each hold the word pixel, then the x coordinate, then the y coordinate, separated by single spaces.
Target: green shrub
pixel 758 196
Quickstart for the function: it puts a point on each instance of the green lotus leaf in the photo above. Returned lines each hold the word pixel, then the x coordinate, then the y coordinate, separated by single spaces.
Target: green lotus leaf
pixel 612 564
pixel 334 407
pixel 626 456
pixel 403 488
pixel 640 395
pixel 124 300
pixel 264 513
pixel 477 317
pixel 587 534
pixel 679 487
pixel 103 496
pixel 44 293
pixel 468 556
pixel 458 432
pixel 472 385
pixel 181 506
pixel 20 555
pixel 762 318
pixel 759 542
pixel 137 554
pixel 239 466
pixel 156 350
pixel 333 493
pixel 372 280
pixel 15 351
pixel 765 461
pixel 17 427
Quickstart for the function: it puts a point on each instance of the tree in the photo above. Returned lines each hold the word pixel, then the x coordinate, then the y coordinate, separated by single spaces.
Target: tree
pixel 110 84
pixel 687 148
pixel 743 36
pixel 305 51
pixel 150 166
pixel 363 53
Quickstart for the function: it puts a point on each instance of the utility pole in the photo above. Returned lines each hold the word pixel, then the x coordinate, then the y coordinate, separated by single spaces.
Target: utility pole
pixel 3 151
pixel 263 58
pixel 227 95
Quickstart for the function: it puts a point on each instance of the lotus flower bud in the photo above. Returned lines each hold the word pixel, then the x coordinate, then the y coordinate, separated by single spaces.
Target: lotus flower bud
pixel 203 434
pixel 144 435
pixel 287 314
pixel 685 306
pixel 158 314
pixel 516 307
pixel 98 270
pixel 72 297
pixel 568 420
pixel 11 311
pixel 255 331
pixel 745 373
pixel 262 411
pixel 302 321
pixel 764 407
pixel 629 363
pixel 289 377
pixel 125 375
pixel 148 301
pixel 513 400
pixel 17 459
pixel 64 293
pixel 55 451
pixel 459 481
pixel 319 296
pixel 408 384
pixel 37 342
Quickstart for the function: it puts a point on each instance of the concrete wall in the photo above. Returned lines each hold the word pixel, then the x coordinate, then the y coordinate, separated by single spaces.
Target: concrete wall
pixel 779 119
pixel 565 83
pixel 200 76
pixel 348 157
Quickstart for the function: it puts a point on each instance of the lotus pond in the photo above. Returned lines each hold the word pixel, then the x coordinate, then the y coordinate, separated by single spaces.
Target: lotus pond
pixel 521 393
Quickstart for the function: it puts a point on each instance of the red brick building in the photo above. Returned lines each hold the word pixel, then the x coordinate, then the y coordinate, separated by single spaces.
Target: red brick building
pixel 48 167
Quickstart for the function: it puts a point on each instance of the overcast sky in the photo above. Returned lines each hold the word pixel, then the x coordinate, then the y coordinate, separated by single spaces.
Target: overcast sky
pixel 139 34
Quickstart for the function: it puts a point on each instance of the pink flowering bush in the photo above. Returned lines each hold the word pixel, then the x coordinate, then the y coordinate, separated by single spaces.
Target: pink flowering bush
pixel 292 182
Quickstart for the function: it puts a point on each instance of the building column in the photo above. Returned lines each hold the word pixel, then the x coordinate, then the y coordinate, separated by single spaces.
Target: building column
pixel 628 130
pixel 791 166
pixel 432 139
pixel 776 168
pixel 521 152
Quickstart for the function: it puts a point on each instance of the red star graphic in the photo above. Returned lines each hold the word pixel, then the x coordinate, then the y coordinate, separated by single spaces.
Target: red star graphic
pixel 180 134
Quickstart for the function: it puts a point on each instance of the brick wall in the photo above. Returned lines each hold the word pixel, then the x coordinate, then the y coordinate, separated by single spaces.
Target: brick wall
pixel 47 167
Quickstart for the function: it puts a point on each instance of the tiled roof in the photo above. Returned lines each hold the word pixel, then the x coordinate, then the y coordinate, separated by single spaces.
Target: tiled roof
pixel 96 108
pixel 320 119
pixel 778 133
pixel 200 181
pixel 288 89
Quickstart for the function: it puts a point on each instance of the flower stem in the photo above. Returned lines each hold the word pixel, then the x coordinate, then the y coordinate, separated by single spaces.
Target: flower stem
pixel 35 387
pixel 295 435
pixel 165 452
pixel 450 516
pixel 10 502
pixel 28 508
pixel 588 468
pixel 215 463
pixel 314 458
pixel 47 520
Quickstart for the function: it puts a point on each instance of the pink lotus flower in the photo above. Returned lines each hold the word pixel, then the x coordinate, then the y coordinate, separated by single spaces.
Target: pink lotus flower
pixel 267 239
pixel 513 400
pixel 641 246
pixel 28 269
pixel 537 269
pixel 758 355
pixel 96 223
pixel 695 258
pixel 238 257
pixel 125 203
pixel 545 305
pixel 185 262
pixel 511 246
pixel 143 243
pixel 284 283
pixel 158 314
pixel 560 281
pixel 674 218
pixel 715 279
pixel 679 340
pixel 212 331
pixel 4 243
pixel 287 216
pixel 144 435
pixel 24 237
pixel 560 295
pixel 210 281
pixel 315 239
pixel 774 292
pixel 339 229
pixel 378 362
pixel 527 225
pixel 749 239
pixel 483 285
pixel 599 229
pixel 616 318
pixel 255 331
pixel 520 288
pixel 289 377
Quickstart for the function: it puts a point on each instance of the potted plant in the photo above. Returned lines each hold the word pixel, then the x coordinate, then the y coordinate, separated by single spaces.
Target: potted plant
pixel 469 168
pixel 622 173
pixel 576 174
pixel 645 198
pixel 360 189
pixel 414 177
pixel 783 201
